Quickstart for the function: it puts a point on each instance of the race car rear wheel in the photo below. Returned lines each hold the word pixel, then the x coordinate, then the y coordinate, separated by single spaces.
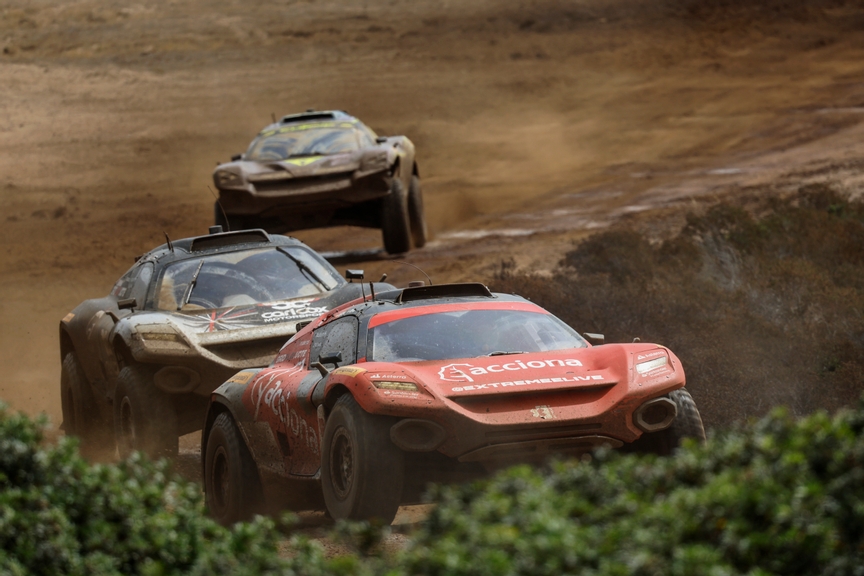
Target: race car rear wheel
pixel 231 486
pixel 362 471
pixel 416 213
pixel 81 414
pixel 144 416
pixel 395 224
pixel 687 424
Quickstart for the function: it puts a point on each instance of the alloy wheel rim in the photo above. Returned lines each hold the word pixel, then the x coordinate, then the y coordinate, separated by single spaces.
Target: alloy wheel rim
pixel 341 463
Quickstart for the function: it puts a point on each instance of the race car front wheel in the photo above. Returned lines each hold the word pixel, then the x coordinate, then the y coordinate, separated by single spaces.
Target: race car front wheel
pixel 81 415
pixel 687 424
pixel 231 486
pixel 144 416
pixel 362 471
pixel 395 224
pixel 416 213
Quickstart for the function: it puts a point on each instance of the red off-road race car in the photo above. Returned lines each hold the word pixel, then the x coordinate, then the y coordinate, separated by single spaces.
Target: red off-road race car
pixel 374 399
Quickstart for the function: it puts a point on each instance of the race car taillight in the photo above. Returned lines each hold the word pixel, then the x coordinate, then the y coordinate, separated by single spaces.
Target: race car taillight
pixel 655 414
pixel 388 385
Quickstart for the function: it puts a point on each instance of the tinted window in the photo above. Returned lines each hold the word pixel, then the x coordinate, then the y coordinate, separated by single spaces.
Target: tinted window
pixel 309 140
pixel 244 278
pixel 337 337
pixel 468 334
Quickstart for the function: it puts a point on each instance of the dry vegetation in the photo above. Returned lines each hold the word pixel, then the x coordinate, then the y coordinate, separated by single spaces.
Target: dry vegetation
pixel 763 300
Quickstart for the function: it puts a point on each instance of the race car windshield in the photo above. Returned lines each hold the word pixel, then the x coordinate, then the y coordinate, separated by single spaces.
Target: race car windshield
pixel 243 278
pixel 469 334
pixel 307 142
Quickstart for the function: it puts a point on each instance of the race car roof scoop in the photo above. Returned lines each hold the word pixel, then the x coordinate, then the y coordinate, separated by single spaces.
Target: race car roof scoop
pixel 213 241
pixel 443 291
pixel 307 117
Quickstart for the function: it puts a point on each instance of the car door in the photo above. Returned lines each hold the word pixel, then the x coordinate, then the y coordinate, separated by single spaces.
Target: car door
pixel 100 331
pixel 338 337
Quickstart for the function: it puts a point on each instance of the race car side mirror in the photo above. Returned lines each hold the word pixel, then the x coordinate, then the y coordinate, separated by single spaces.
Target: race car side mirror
pixel 127 304
pixel 380 139
pixel 236 157
pixel 595 338
pixel 331 358
pixel 321 368
pixel 354 274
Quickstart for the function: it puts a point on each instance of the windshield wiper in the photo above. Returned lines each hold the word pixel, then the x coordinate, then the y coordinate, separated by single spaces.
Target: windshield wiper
pixel 190 287
pixel 503 353
pixel 306 270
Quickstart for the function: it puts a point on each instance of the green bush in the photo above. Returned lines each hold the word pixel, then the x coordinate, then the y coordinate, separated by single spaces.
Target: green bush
pixel 778 496
pixel 62 515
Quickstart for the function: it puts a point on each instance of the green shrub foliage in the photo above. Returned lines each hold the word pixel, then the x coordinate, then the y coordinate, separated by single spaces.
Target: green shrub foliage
pixel 778 496
pixel 61 515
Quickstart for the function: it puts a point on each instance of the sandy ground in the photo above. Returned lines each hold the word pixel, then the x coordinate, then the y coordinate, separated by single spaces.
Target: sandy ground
pixel 536 122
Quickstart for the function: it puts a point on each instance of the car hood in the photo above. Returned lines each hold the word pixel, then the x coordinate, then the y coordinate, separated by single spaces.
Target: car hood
pixel 584 368
pixel 302 166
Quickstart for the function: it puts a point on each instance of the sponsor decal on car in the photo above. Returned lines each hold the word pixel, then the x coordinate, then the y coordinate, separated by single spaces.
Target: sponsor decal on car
pixel 295 310
pixel 379 376
pixel 543 412
pixel 242 377
pixel 560 379
pixel 349 371
pixel 301 161
pixel 464 372
pixel 267 390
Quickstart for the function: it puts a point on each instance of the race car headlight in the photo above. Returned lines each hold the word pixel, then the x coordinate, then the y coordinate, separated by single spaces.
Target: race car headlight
pixel 644 367
pixel 376 162
pixel 164 341
pixel 390 385
pixel 226 178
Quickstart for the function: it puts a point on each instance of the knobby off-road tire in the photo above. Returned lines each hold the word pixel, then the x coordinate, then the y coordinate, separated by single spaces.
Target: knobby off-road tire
pixel 395 224
pixel 232 488
pixel 81 414
pixel 687 424
pixel 362 471
pixel 144 415
pixel 416 213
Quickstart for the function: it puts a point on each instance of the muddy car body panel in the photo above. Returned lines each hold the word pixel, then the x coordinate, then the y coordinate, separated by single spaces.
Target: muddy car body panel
pixel 193 312
pixel 463 377
pixel 315 170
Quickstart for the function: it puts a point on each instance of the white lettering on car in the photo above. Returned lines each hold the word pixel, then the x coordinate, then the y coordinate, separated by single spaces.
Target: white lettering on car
pixel 587 378
pixel 460 372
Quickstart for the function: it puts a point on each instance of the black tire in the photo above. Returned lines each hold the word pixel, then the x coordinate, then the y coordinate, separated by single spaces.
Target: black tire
pixel 362 471
pixel 144 415
pixel 81 414
pixel 395 225
pixel 232 489
pixel 687 424
pixel 416 213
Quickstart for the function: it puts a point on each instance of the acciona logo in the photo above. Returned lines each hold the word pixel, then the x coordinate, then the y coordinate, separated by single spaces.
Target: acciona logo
pixel 464 372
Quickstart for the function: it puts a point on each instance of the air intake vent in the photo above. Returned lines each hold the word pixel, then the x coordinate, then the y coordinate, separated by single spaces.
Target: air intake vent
pixel 307 117
pixel 444 291
pixel 229 239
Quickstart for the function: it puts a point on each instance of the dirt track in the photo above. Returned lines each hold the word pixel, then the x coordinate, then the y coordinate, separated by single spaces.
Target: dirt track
pixel 535 122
